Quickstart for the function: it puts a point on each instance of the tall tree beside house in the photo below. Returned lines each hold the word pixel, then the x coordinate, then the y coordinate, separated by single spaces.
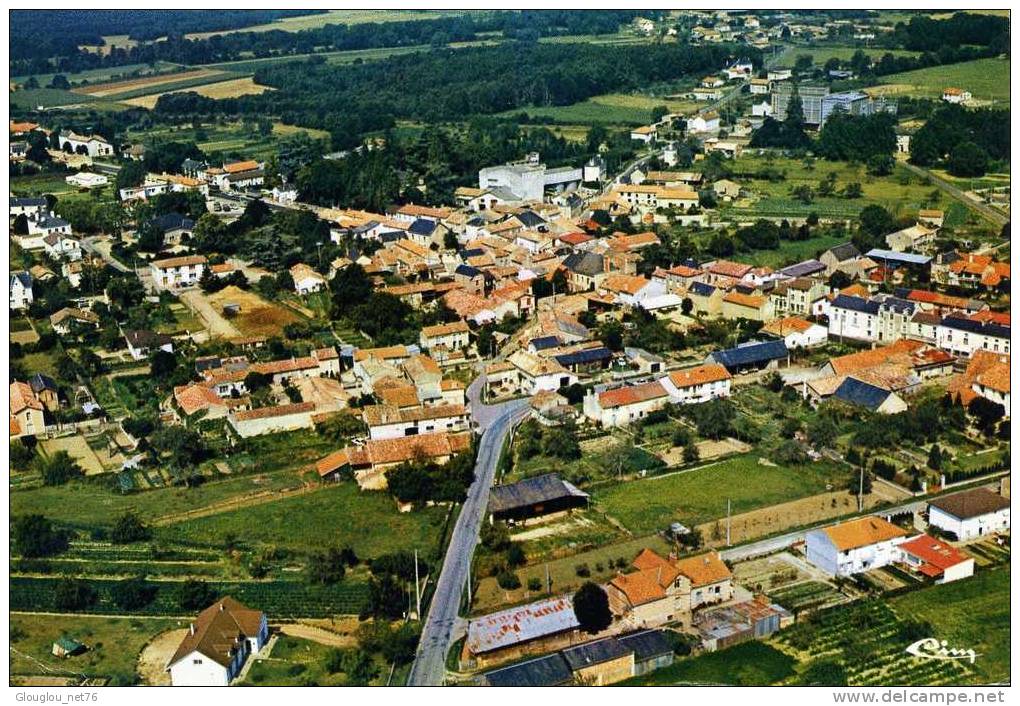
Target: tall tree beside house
pixel 591 607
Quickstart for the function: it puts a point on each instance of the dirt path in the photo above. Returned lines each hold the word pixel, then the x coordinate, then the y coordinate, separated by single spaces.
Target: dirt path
pixel 218 326
pixel 154 656
pixel 252 499
pixel 317 634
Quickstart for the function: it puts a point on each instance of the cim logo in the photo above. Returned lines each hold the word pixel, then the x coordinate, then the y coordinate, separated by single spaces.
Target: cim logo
pixel 931 648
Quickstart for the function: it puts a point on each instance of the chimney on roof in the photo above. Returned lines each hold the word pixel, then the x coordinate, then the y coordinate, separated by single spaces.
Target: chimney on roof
pixel 222 607
pixel 192 628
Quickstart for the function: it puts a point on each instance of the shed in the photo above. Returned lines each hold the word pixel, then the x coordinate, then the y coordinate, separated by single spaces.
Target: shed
pixel 67 647
pixel 753 355
pixel 534 497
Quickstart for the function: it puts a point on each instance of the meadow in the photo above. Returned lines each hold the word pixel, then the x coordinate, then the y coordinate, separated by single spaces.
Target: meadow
pixel 609 108
pixel 694 496
pixel 747 664
pixel 348 17
pixel 986 79
pixel 821 54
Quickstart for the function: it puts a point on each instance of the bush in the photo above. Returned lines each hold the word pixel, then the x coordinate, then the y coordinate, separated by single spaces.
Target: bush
pixel 582 570
pixel 534 584
pixel 508 580
pixel 73 595
pixel 133 594
pixel 129 528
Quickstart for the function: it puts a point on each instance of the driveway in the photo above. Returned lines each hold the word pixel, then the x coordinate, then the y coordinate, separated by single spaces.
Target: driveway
pixel 214 321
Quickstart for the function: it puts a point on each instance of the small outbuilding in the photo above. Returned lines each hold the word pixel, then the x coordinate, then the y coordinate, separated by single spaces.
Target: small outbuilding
pixel 535 497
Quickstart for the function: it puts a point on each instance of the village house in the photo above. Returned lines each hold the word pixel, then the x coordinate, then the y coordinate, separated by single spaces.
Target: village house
pixel 703 123
pixel 753 307
pixel 177 273
pixel 987 375
pixel 645 133
pixel 624 405
pixel 916 238
pixel 198 397
pixel 964 335
pixel 854 546
pixel 306 279
pixel 92 145
pixel 803 296
pixel 751 356
pixel 26 412
pixel 217 644
pixel 369 461
pixel 141 344
pixel 87 180
pixel 20 290
pixel 936 559
pixel 955 95
pixel 176 228
pixel 797 332
pixel 840 257
pixel 449 337
pixel 390 422
pixel 60 246
pixel 70 318
pixel 699 384
pixel 970 514
pixel 271 420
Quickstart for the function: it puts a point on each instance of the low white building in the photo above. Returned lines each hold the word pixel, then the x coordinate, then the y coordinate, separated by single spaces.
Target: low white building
pixel 178 272
pixel 956 95
pixel 970 514
pixel 854 547
pixel 797 332
pixel 624 405
pixel 453 336
pixel 217 644
pixel 271 420
pixel 391 422
pixel 962 335
pixel 61 246
pixel 92 145
pixel 698 384
pixel 306 279
pixel 87 180
pixel 935 559
pixel 703 122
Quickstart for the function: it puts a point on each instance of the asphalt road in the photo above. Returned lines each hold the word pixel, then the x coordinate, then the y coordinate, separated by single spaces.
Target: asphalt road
pixel 985 210
pixel 429 666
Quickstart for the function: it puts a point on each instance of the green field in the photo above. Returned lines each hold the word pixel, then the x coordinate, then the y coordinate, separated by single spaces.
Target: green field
pixel 747 664
pixel 609 108
pixel 972 613
pixel 348 17
pixel 339 515
pixel 700 495
pixel 112 73
pixel 114 644
pixel 821 54
pixel 790 251
pixel 902 193
pixel 298 662
pixel 986 79
pixel 170 86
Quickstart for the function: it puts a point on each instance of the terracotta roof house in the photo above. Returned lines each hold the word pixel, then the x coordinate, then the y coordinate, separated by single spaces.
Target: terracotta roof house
pixel 217 644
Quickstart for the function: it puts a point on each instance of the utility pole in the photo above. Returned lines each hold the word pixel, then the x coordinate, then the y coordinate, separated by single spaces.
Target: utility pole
pixel 860 492
pixel 469 582
pixel 727 522
pixel 417 592
pixel 548 579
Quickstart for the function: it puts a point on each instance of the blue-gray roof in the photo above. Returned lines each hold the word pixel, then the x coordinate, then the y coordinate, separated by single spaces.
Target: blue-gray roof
pixel 861 393
pixel 543 342
pixel 597 652
pixel 852 303
pixel 989 328
pixel 532 491
pixel 702 289
pixel 173 221
pixel 551 670
pixel 467 271
pixel 530 219
pixel 802 269
pixel 423 226
pixel 751 353
pixel 901 306
pixel 589 355
pixel 52 222
pixel 903 257
pixel 24 201
pixel 647 644
pixel 23 277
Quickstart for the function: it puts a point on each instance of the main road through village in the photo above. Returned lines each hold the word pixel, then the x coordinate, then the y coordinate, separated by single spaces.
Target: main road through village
pixel 496 421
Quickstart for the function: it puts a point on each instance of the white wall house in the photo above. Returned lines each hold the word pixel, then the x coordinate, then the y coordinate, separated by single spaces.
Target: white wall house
pixel 699 384
pixel 855 546
pixel 306 280
pixel 217 645
pixel 962 336
pixel 970 514
pixel 624 405
pixel 61 246
pixel 21 290
pixel 92 145
pixel 390 422
pixel 178 272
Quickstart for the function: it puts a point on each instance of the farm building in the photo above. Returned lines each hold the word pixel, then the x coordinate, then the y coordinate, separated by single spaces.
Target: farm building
pixel 970 514
pixel 535 497
pixel 753 355
pixel 518 631
pixel 728 625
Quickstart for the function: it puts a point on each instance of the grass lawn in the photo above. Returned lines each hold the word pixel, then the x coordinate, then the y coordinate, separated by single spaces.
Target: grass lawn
pixel 30 99
pixel 340 515
pixel 790 251
pixel 45 363
pixel 348 17
pixel 114 644
pixel 747 664
pixel 608 108
pixel 91 504
pixel 986 79
pixel 972 613
pixel 298 662
pixel 38 184
pixel 700 495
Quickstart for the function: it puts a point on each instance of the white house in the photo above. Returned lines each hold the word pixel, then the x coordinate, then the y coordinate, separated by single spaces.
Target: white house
pixel 956 95
pixel 624 405
pixel 61 246
pixel 935 559
pixel 391 422
pixel 703 122
pixel 454 336
pixel 217 644
pixel 48 224
pixel 306 280
pixel 797 332
pixel 962 335
pixel 970 514
pixel 141 344
pixel 178 272
pixel 21 290
pixel 762 110
pixel 855 546
pixel 645 133
pixel 631 290
pixel 698 384
pixel 31 206
pixel 760 86
pixel 87 180
pixel 92 145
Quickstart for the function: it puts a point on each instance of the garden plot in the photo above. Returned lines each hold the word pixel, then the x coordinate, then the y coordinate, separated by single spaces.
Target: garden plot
pixel 77 447
pixel 257 316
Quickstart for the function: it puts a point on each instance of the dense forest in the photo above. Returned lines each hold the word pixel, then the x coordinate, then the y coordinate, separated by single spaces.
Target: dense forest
pixel 48 47
pixel 967 140
pixel 446 85
pixel 42 34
